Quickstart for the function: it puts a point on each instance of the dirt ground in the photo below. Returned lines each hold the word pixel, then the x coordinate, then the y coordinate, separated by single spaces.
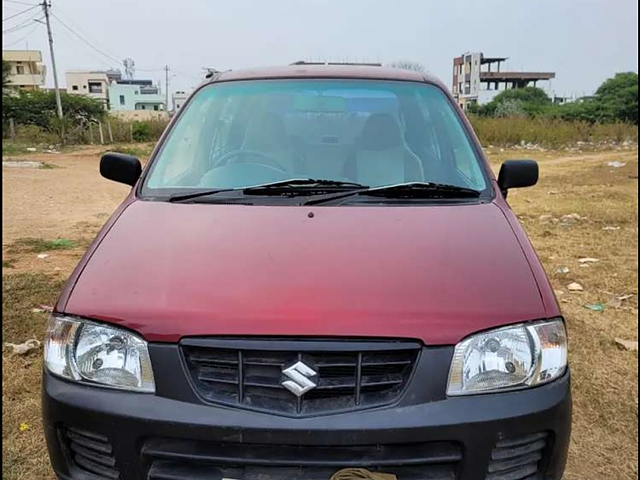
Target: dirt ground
pixel 582 208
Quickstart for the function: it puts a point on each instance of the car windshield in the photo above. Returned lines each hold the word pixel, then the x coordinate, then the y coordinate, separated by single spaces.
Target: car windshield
pixel 367 132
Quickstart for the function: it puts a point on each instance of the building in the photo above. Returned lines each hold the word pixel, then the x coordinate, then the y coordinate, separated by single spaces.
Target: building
pixel 473 73
pixel 179 99
pixel 558 100
pixel 94 84
pixel 129 95
pixel 27 70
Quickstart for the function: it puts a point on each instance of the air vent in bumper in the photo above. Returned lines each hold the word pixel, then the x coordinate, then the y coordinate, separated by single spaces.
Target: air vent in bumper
pixel 518 458
pixel 91 453
pixel 191 460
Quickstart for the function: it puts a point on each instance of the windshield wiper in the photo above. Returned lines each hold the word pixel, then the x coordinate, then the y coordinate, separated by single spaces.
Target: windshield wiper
pixel 293 185
pixel 422 190
pixel 403 190
pixel 180 197
pixel 299 185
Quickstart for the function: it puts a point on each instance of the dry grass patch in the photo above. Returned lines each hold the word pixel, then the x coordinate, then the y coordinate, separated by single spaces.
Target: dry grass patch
pixel 549 132
pixel 605 440
pixel 603 204
pixel 24 455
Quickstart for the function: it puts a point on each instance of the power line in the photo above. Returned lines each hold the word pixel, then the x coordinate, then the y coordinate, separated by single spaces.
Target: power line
pixel 20 3
pixel 89 40
pixel 96 49
pixel 79 37
pixel 81 32
pixel 73 41
pixel 22 25
pixel 19 13
pixel 188 75
pixel 21 38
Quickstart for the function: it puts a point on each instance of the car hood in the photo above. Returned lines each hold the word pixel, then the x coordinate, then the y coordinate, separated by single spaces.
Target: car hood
pixel 434 273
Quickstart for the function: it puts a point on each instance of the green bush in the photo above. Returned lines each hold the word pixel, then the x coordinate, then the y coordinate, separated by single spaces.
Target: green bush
pixel 39 108
pixel 141 131
pixel 510 108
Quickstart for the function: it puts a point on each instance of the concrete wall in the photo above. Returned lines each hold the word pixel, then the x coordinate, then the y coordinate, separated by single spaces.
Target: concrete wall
pixel 140 115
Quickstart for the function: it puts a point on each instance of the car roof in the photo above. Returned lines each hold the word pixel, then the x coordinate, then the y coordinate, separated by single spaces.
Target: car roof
pixel 323 71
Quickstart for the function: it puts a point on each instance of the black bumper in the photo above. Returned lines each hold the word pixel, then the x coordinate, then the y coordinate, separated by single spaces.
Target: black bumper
pixel 149 436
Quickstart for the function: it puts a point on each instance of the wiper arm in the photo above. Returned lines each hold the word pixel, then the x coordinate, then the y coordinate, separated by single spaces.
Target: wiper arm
pixel 334 196
pixel 300 184
pixel 422 190
pixel 180 197
pixel 282 185
pixel 402 190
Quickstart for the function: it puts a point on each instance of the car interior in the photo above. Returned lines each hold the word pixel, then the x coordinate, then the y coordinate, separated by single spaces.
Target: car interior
pixel 372 141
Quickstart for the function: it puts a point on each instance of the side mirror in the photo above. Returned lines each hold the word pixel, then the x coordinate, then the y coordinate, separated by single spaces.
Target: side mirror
pixel 518 174
pixel 120 168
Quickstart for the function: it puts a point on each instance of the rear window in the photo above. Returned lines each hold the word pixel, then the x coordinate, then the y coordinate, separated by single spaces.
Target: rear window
pixel 375 133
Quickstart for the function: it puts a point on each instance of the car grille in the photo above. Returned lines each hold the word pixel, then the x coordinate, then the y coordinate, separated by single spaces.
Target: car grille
pixel 191 460
pixel 518 458
pixel 361 376
pixel 91 453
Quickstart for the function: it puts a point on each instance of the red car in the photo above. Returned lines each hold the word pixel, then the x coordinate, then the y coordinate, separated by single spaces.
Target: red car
pixel 316 270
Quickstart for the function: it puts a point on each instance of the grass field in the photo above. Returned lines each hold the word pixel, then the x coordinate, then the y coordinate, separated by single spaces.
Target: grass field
pixel 581 208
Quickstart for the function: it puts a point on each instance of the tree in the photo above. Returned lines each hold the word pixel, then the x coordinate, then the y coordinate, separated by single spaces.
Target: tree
pixel 517 102
pixel 619 95
pixel 615 101
pixel 408 65
pixel 527 95
pixel 6 74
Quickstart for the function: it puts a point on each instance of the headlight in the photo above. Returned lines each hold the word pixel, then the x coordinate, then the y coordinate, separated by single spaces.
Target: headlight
pixel 96 354
pixel 509 359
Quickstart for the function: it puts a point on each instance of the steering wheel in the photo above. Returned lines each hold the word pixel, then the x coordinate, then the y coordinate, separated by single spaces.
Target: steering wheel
pixel 239 153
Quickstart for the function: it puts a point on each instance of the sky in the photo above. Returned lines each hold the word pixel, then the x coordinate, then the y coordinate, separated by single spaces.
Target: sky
pixel 583 41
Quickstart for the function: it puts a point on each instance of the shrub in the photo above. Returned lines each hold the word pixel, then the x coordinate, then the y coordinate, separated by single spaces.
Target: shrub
pixel 510 108
pixel 141 131
pixel 39 108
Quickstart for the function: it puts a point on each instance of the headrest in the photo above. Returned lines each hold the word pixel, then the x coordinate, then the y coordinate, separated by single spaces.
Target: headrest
pixel 381 132
pixel 266 132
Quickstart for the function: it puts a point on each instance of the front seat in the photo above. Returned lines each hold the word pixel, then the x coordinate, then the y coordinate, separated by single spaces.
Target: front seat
pixel 267 134
pixel 383 157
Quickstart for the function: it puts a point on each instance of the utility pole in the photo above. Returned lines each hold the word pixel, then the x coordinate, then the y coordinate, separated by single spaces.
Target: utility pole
pixel 166 72
pixel 46 5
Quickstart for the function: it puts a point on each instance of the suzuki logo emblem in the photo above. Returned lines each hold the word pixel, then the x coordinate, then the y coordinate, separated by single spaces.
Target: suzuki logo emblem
pixel 301 378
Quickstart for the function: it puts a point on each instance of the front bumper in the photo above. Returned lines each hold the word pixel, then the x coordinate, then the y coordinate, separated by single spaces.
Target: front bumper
pixel 155 437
